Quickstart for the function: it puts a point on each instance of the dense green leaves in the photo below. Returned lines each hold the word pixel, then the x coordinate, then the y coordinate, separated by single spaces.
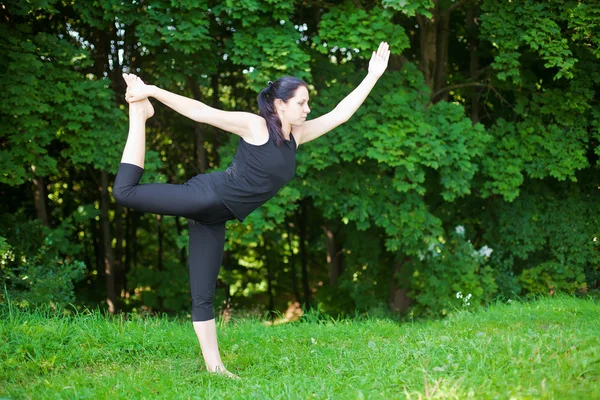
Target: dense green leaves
pixel 362 31
pixel 270 47
pixel 531 24
pixel 486 120
pixel 181 26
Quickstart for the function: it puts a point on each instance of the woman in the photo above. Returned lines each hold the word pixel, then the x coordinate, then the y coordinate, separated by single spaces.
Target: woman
pixel 264 162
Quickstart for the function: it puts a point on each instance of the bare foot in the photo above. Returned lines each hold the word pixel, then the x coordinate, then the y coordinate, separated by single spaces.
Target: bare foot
pixel 220 370
pixel 137 93
pixel 141 107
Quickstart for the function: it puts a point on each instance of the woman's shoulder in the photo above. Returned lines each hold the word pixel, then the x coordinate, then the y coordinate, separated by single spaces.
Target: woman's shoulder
pixel 258 133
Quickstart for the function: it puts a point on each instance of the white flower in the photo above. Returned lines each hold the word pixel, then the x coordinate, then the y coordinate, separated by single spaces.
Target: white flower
pixel 460 230
pixel 485 251
pixel 434 249
pixel 459 295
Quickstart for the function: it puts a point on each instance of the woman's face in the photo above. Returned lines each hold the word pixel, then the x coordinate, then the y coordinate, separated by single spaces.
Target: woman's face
pixel 296 109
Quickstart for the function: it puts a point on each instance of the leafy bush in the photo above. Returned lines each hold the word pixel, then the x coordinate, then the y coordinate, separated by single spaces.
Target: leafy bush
pixel 551 277
pixel 37 263
pixel 451 273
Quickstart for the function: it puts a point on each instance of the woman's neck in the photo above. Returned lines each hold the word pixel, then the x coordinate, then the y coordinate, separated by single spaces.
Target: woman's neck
pixel 286 129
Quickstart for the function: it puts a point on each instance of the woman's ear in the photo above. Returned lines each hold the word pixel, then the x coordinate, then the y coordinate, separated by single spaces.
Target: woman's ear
pixel 279 104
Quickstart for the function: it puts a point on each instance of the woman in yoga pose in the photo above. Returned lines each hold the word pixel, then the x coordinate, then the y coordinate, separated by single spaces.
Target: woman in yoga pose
pixel 264 162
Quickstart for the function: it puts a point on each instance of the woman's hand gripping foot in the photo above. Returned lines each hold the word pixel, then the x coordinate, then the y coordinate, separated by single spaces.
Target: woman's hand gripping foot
pixel 137 96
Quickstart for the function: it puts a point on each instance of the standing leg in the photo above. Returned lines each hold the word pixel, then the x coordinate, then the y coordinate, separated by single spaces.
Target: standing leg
pixel 195 200
pixel 205 256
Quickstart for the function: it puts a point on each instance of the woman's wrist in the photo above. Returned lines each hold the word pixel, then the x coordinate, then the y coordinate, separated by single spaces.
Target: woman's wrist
pixel 152 90
pixel 372 77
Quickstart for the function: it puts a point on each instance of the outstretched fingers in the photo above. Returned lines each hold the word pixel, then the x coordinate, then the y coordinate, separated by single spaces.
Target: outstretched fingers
pixel 379 59
pixel 384 50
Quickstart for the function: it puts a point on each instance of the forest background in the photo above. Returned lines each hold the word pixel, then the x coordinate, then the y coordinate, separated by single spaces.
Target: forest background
pixel 469 174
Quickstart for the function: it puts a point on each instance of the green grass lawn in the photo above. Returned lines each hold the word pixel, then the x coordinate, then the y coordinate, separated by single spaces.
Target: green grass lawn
pixel 549 348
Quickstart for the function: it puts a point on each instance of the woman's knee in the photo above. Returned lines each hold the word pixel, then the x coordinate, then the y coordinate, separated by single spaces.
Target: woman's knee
pixel 123 193
pixel 126 182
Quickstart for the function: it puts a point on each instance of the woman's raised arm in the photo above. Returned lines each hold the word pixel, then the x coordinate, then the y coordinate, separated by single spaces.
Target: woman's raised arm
pixel 240 123
pixel 347 107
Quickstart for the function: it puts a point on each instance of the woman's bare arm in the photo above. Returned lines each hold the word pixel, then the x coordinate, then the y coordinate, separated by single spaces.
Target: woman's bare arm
pixel 312 129
pixel 243 124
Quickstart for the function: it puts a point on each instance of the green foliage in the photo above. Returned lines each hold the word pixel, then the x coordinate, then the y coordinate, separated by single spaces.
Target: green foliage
pixel 552 277
pixel 411 7
pixel 451 274
pixel 47 102
pixel 181 26
pixel 378 163
pixel 583 17
pixel 159 282
pixel 390 182
pixel 550 231
pixel 262 51
pixel 255 12
pixel 38 263
pixel 525 23
pixel 362 31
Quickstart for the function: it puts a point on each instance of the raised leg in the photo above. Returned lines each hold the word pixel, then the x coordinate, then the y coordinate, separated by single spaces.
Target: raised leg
pixel 194 199
pixel 135 148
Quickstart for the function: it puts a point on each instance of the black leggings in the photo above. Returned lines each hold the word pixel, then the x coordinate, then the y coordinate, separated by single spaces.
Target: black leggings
pixel 206 214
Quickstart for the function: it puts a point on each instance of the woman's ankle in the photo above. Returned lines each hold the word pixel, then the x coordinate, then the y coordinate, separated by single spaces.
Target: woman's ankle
pixel 141 109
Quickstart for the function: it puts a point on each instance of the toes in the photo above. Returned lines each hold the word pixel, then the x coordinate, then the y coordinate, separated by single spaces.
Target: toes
pixel 137 79
pixel 127 78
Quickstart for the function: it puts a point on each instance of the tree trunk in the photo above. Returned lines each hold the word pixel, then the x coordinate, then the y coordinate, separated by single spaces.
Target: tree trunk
pixel 301 218
pixel 182 255
pixel 333 256
pixel 271 306
pixel 441 61
pixel 398 297
pixel 159 260
pixel 109 268
pixel 131 252
pixel 98 246
pixel 129 244
pixel 215 104
pixel 136 220
pixel 434 38
pixel 201 160
pixel 40 199
pixel 293 266
pixel 428 44
pixel 119 250
pixel 473 32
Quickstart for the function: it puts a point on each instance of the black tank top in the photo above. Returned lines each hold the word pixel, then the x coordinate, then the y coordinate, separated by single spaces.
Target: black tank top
pixel 255 175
